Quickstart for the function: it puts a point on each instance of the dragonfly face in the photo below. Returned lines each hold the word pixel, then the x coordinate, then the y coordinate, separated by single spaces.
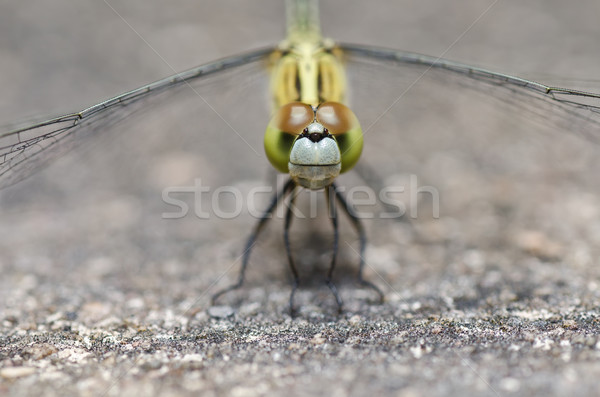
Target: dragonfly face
pixel 313 144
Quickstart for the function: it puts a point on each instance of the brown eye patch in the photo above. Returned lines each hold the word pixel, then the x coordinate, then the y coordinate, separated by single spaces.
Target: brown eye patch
pixel 337 118
pixel 294 117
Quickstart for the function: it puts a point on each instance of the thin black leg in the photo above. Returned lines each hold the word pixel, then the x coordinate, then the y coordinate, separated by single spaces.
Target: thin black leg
pixel 333 216
pixel 287 188
pixel 288 250
pixel 363 242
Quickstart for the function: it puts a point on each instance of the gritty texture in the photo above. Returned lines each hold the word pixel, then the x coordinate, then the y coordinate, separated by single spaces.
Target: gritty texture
pixel 105 289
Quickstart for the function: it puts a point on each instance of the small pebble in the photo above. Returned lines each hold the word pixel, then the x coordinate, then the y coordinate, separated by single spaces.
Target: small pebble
pixel 220 311
pixel 317 339
pixel 16 372
pixel 38 351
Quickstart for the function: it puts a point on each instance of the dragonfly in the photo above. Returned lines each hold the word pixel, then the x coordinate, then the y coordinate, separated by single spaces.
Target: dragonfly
pixel 307 75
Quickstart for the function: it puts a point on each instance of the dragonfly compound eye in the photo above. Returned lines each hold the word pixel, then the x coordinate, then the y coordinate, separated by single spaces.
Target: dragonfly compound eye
pixel 342 123
pixel 287 124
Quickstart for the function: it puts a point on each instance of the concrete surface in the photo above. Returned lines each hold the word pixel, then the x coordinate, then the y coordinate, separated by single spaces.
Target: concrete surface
pixel 498 296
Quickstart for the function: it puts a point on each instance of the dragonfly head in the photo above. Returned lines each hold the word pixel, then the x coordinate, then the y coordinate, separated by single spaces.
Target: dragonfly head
pixel 313 144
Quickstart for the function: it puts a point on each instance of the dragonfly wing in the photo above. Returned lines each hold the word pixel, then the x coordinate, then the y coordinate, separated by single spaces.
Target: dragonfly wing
pixel 575 111
pixel 26 149
pixel 472 158
pixel 176 176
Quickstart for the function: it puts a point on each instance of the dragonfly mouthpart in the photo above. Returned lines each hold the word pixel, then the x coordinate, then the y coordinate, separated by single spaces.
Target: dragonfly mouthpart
pixel 315 158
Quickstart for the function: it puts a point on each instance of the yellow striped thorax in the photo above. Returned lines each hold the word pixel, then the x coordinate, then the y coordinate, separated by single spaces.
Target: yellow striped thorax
pixel 312 135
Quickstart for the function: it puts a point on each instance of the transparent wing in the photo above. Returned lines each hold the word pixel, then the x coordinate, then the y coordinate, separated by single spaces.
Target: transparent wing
pixel 25 149
pixel 133 187
pixel 575 111
pixel 475 160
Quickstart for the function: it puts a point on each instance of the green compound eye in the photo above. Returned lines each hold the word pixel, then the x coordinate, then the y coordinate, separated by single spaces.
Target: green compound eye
pixel 290 121
pixel 343 124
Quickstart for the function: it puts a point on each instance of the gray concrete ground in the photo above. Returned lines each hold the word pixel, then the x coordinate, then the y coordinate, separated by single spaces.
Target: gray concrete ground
pixel 101 295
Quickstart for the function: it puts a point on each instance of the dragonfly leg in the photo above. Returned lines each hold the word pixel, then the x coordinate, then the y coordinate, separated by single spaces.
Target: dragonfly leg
pixel 363 243
pixel 288 250
pixel 333 216
pixel 287 188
